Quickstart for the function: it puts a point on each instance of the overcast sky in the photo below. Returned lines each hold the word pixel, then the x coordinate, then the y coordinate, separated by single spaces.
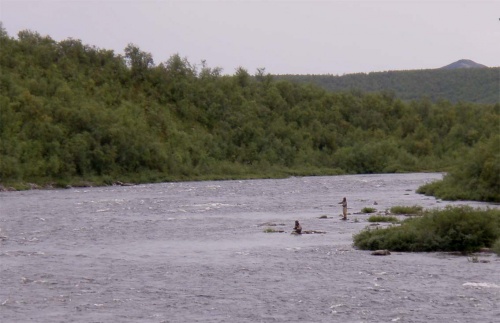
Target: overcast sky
pixel 284 37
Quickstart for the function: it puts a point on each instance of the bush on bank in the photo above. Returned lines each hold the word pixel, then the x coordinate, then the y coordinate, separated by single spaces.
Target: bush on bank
pixel 463 228
pixel 496 247
pixel 383 218
pixel 475 177
pixel 415 209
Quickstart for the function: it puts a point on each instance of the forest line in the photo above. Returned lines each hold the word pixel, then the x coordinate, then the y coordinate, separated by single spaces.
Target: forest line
pixel 73 114
pixel 479 85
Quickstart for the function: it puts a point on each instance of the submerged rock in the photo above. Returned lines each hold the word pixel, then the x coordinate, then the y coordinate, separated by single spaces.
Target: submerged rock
pixel 312 231
pixel 118 183
pixel 381 253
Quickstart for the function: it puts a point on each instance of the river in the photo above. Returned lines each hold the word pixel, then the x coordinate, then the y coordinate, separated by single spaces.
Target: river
pixel 197 252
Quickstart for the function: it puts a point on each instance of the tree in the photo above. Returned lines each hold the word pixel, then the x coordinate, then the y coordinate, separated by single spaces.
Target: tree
pixel 138 61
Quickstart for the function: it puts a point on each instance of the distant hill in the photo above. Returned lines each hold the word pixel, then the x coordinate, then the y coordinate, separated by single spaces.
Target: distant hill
pixel 464 63
pixel 454 83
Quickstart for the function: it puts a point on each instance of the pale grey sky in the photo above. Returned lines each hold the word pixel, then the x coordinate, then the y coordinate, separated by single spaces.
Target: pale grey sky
pixel 284 37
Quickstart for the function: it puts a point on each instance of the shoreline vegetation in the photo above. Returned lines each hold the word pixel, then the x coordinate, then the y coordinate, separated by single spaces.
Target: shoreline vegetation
pixel 150 178
pixel 452 229
pixel 75 115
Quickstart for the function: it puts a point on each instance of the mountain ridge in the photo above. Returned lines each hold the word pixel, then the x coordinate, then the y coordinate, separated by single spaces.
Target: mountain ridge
pixel 463 63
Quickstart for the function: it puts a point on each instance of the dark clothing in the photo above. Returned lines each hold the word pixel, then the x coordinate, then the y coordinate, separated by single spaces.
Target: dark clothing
pixel 297 228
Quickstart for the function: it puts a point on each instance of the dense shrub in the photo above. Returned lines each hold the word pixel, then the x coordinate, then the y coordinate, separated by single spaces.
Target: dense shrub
pixel 415 209
pixel 368 210
pixel 462 228
pixel 496 247
pixel 475 177
pixel 383 218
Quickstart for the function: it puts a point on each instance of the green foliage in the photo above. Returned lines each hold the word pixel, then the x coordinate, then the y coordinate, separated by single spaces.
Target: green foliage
pixel 71 113
pixel 463 229
pixel 414 209
pixel 455 85
pixel 368 210
pixel 496 247
pixel 476 177
pixel 383 218
pixel 272 230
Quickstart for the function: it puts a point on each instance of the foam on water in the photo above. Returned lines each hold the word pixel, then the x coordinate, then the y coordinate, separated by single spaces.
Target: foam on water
pixel 485 285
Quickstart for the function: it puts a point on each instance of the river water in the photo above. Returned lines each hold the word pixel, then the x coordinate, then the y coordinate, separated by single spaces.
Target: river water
pixel 197 252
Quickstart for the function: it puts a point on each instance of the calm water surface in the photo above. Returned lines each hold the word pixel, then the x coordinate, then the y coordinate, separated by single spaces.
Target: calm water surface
pixel 197 252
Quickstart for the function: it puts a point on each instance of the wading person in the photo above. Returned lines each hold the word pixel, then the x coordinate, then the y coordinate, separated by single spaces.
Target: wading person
pixel 297 228
pixel 344 208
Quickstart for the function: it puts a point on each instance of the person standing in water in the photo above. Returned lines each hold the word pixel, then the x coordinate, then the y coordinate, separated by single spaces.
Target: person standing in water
pixel 297 228
pixel 344 208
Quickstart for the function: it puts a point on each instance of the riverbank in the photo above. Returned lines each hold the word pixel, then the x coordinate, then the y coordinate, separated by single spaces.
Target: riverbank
pixel 153 178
